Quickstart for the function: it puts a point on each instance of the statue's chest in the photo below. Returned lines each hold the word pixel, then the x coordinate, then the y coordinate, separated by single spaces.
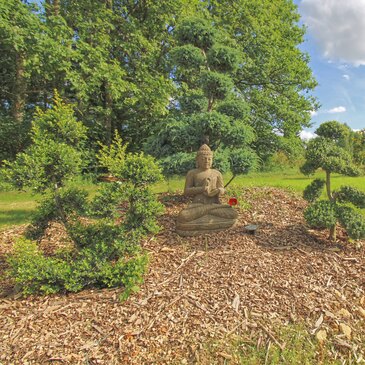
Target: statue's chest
pixel 201 178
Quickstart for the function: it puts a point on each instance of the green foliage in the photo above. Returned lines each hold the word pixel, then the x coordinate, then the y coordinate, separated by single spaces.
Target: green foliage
pixel 321 214
pixel 353 222
pixel 177 163
pixel 314 190
pixel 193 102
pixel 204 70
pixel 142 211
pixel 68 202
pixel 106 201
pixel 348 194
pixel 136 173
pixel 138 169
pixel 243 161
pixel 358 146
pixel 55 154
pixel 216 85
pixel 14 137
pixel 103 253
pixel 329 152
pixel 187 56
pixel 34 272
pixel 94 266
pixel 223 58
pixel 324 153
pixel 236 109
pixel 333 130
pixel 196 31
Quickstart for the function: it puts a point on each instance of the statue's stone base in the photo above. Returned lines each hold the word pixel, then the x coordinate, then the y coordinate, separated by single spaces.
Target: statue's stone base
pixel 204 225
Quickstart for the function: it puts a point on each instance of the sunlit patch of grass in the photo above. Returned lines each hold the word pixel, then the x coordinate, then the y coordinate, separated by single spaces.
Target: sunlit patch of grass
pixel 293 345
pixel 16 208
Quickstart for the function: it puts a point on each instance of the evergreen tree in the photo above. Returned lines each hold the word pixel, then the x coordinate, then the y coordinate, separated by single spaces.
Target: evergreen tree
pixel 208 108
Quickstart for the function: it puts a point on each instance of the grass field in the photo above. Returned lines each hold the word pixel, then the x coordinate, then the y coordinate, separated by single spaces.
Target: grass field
pixel 16 207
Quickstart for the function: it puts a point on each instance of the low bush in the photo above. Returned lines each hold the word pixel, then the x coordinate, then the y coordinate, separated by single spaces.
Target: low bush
pixel 105 250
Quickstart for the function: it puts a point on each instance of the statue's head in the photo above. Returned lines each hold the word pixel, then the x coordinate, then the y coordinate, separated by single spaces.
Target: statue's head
pixel 204 157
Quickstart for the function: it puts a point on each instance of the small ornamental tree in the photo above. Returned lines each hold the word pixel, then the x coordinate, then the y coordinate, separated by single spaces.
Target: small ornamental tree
pixel 54 158
pixel 135 172
pixel 327 152
pixel 208 108
pixel 106 252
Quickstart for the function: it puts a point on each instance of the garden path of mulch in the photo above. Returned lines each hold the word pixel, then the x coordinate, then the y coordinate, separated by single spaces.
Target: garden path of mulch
pixel 199 290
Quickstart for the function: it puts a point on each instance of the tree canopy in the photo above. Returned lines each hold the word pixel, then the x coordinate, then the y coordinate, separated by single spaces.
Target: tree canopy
pixel 146 69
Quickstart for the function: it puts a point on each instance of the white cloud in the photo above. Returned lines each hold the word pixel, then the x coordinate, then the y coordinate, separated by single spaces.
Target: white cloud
pixel 337 109
pixel 338 26
pixel 347 77
pixel 313 113
pixel 307 135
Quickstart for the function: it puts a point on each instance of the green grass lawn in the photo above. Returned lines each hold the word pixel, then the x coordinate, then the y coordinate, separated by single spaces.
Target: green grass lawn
pixel 16 207
pixel 291 180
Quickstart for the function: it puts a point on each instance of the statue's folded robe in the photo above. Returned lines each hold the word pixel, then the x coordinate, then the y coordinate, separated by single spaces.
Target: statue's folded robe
pixel 205 218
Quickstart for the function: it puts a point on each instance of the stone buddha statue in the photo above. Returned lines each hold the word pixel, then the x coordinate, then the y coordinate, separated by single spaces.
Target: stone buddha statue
pixel 205 214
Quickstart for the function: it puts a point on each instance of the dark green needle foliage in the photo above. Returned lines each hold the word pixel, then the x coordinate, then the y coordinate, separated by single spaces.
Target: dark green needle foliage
pixel 328 152
pixel 105 234
pixel 208 108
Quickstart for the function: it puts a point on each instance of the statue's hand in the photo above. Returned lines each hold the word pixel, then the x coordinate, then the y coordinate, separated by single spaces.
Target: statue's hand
pixel 207 187
pixel 213 192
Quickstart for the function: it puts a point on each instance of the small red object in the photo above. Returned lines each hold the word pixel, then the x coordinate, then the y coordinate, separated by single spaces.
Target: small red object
pixel 232 201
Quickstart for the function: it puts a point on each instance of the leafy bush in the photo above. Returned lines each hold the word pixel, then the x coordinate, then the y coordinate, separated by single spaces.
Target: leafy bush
pixel 104 253
pixel 70 202
pixel 314 190
pixel 100 265
pixel 321 214
pixel 328 151
pixel 351 195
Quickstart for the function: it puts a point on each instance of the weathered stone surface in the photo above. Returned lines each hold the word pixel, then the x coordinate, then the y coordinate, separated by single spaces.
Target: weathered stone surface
pixel 205 214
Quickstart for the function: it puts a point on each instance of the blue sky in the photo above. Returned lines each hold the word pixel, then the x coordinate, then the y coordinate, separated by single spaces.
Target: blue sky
pixel 335 41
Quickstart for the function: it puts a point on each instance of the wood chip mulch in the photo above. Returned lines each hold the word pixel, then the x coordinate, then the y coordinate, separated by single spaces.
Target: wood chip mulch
pixel 199 290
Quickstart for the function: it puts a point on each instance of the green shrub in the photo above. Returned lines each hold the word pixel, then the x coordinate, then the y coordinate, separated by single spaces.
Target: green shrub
pixel 314 190
pixel 351 195
pixel 321 214
pixel 106 253
pixel 329 151
pixel 100 265
pixel 353 222
pixel 35 273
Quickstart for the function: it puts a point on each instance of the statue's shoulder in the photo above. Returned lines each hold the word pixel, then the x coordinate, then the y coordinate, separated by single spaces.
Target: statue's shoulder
pixel 192 172
pixel 216 172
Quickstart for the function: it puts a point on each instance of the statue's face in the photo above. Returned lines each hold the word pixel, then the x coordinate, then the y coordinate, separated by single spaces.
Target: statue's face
pixel 205 161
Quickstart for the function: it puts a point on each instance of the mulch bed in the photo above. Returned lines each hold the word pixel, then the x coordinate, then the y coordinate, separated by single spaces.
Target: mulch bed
pixel 198 290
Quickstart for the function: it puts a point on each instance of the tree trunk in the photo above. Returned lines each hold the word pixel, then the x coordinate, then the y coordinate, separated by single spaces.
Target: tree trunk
pixel 108 100
pixel 332 236
pixel 331 198
pixel 48 7
pixel 108 104
pixel 19 90
pixel 328 185
pixel 56 7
